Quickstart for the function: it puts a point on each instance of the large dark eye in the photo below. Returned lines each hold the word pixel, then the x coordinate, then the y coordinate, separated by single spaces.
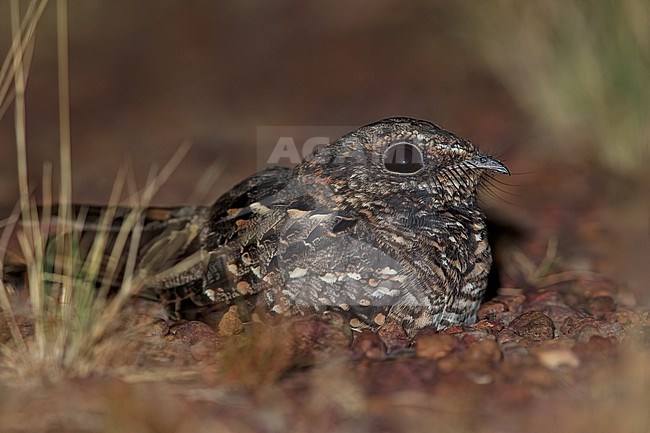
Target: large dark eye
pixel 403 158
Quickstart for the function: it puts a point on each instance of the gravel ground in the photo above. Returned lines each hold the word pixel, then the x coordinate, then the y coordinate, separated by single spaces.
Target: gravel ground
pixel 561 344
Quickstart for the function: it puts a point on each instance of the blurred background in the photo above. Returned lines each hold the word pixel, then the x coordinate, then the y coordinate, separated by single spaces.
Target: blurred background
pixel 557 89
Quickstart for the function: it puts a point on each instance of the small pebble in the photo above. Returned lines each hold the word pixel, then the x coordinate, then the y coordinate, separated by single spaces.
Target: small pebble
pixel 507 336
pixel 485 351
pixel 555 357
pixel 599 306
pixel 625 316
pixel 558 314
pixel 312 336
pixel 480 379
pixel 534 326
pixel 491 308
pixel 545 298
pixel 230 323
pixel 149 326
pixel 192 331
pixel 435 346
pixel 584 333
pixel 493 325
pixel 369 345
pixel 447 364
pixel 512 302
pixel 393 336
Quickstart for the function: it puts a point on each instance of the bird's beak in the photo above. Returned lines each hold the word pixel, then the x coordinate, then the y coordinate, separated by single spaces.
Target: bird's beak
pixel 489 163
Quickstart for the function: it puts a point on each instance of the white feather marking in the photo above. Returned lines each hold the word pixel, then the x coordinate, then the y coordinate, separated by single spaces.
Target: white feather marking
pixel 260 208
pixel 297 273
pixel 328 278
pixel 388 271
pixel 320 217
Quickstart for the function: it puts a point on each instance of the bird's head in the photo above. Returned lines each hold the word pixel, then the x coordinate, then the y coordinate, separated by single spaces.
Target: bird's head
pixel 400 161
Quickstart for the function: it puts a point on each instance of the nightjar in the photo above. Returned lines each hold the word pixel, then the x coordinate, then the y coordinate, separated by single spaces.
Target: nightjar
pixel 381 226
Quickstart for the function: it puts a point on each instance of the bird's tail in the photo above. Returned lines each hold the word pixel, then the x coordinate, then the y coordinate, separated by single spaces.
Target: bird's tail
pixel 147 241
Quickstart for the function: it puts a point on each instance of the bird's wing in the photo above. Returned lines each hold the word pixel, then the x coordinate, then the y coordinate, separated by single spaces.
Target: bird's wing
pixel 205 276
pixel 261 186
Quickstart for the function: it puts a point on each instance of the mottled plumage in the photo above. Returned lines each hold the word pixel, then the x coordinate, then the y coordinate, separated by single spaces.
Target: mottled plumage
pixel 381 225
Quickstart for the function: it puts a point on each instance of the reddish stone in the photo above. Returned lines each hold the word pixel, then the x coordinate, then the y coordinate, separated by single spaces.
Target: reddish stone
pixel 533 325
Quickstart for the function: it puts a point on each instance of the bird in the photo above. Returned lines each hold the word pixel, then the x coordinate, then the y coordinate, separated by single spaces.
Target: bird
pixel 382 226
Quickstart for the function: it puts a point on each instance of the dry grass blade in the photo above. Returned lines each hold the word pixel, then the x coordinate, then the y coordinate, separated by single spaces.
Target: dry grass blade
pixel 132 282
pixel 542 275
pixel 5 303
pixel 17 50
pixel 532 271
pixel 65 192
pixel 73 321
pixel 204 187
pixel 19 85
pixel 75 336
